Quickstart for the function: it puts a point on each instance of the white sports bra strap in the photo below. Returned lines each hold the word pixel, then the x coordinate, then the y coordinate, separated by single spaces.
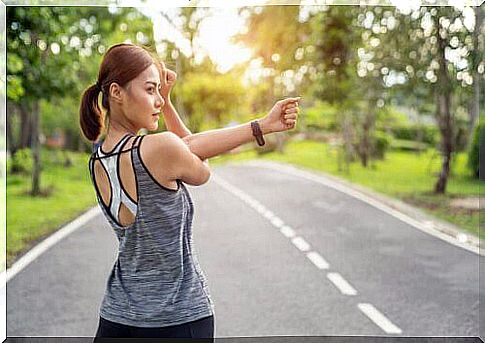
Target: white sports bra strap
pixel 118 194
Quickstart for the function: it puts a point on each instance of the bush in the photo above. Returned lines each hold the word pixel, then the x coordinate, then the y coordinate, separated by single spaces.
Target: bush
pixel 320 117
pixel 407 145
pixel 22 162
pixel 473 152
pixel 427 133
pixel 381 141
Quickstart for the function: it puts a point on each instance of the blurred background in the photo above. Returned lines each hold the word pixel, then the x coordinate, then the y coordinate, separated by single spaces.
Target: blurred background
pixel 391 97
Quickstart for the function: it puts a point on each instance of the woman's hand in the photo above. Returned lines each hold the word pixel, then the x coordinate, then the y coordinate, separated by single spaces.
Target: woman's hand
pixel 167 84
pixel 282 116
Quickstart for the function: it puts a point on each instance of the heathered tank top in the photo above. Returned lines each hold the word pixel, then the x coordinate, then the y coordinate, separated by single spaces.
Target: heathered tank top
pixel 156 279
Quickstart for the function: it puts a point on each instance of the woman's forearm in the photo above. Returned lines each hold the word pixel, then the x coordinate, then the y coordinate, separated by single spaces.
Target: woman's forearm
pixel 173 121
pixel 211 143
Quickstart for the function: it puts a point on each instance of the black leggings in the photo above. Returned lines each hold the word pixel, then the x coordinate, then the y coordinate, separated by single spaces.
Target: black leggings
pixel 201 328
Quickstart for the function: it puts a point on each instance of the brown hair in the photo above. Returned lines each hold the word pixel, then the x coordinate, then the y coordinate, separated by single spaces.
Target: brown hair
pixel 121 64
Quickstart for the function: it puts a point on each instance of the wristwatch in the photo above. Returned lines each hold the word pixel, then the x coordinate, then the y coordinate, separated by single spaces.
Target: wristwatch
pixel 257 132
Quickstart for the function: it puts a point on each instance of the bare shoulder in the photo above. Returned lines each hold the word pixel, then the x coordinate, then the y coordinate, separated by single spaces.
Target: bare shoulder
pixel 166 144
pixel 170 153
pixel 166 139
pixel 157 152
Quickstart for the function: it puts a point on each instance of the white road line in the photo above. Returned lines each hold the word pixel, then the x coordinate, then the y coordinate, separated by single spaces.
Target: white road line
pixel 337 279
pixel 254 204
pixel 342 284
pixel 277 222
pixel 378 318
pixel 268 214
pixel 260 208
pixel 47 243
pixel 300 243
pixel 341 187
pixel 317 260
pixel 287 231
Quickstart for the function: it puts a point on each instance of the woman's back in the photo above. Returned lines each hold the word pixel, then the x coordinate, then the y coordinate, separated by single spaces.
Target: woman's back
pixel 119 154
pixel 156 279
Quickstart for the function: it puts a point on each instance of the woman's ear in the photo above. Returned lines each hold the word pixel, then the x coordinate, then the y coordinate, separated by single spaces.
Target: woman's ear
pixel 116 92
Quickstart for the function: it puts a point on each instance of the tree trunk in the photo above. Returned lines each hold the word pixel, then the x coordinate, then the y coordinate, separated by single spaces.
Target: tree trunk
pixel 474 108
pixel 443 114
pixel 11 111
pixel 446 130
pixel 347 140
pixel 25 125
pixel 365 147
pixel 36 168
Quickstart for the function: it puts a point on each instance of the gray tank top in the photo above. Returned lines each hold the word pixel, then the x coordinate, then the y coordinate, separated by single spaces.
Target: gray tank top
pixel 156 279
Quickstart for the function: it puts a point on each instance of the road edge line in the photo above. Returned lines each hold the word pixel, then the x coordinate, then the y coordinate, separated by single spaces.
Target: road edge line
pixel 47 243
pixel 368 198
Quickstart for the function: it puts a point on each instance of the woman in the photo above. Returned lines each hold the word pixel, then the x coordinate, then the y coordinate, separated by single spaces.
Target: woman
pixel 156 287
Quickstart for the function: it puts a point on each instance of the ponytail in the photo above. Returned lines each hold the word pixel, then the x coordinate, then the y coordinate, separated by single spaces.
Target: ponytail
pixel 91 118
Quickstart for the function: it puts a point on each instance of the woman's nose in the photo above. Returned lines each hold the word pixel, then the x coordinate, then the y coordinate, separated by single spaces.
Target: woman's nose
pixel 160 101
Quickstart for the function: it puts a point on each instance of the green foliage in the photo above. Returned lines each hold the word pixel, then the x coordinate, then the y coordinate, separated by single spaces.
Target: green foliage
pixel 390 117
pixel 408 145
pixel 54 53
pixel 412 132
pixel 473 162
pixel 381 142
pixel 14 90
pixel 460 128
pixel 274 33
pixel 335 39
pixel 321 116
pixel 14 82
pixel 21 162
pixel 211 100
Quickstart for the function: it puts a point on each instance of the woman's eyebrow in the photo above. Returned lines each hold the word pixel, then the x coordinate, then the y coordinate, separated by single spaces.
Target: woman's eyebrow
pixel 152 82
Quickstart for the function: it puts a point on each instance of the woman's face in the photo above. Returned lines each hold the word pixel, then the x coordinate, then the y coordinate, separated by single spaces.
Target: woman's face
pixel 144 102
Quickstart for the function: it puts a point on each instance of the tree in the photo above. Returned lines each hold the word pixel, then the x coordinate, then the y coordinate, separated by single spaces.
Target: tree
pixel 212 99
pixel 49 51
pixel 187 22
pixel 277 35
pixel 432 49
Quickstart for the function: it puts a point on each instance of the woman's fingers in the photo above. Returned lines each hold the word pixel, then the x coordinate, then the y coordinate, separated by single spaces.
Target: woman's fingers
pixel 292 110
pixel 291 105
pixel 288 102
pixel 171 76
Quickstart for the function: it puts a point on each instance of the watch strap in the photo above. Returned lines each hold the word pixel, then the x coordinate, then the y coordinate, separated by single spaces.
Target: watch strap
pixel 257 133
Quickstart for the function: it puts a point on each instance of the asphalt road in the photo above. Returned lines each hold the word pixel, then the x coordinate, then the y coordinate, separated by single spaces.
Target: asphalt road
pixel 283 256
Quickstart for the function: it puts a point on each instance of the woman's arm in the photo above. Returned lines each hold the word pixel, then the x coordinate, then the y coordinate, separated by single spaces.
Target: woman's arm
pixel 211 143
pixel 173 121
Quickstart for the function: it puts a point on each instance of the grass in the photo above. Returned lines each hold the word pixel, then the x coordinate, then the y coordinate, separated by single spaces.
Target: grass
pixel 408 176
pixel 30 219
